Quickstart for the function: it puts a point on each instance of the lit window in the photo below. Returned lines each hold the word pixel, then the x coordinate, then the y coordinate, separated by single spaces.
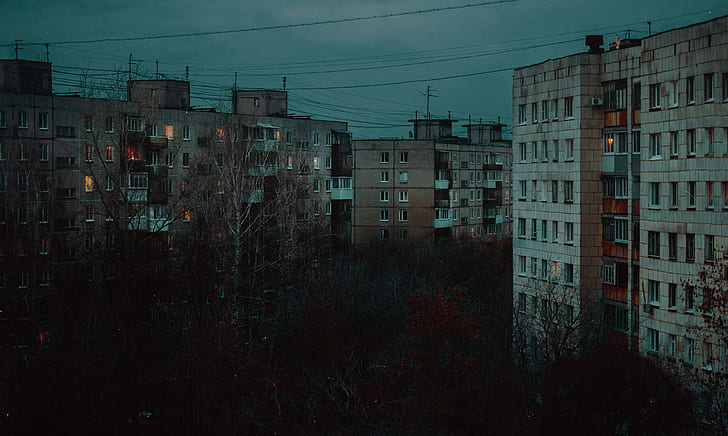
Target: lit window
pixel 315 162
pixel 186 214
pixel 109 153
pixel 169 131
pixel 88 183
pixel 220 134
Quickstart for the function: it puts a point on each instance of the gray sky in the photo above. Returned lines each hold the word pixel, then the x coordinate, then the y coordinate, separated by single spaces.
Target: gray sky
pixel 398 49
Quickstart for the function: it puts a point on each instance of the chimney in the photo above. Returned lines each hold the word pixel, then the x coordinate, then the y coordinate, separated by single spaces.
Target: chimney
pixel 595 43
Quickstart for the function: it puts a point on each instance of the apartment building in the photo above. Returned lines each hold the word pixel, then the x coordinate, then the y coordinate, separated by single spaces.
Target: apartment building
pixel 79 177
pixel 434 186
pixel 621 178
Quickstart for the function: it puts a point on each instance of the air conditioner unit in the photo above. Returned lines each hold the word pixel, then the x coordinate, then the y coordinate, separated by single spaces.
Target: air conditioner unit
pixel 597 101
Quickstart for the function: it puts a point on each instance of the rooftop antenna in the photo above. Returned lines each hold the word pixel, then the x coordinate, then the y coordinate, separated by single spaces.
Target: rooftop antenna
pixel 157 69
pixel 130 63
pixel 428 95
pixel 649 28
pixel 235 84
pixel 187 73
pixel 17 43
pixel 48 56
pixel 284 83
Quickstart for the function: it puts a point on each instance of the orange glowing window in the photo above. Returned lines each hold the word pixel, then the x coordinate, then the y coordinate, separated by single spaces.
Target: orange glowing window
pixel 89 183
pixel 186 214
pixel 220 133
pixel 169 131
pixel 132 153
pixel 220 189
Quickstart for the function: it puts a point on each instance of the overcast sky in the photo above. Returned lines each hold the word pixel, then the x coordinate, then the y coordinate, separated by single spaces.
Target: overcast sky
pixel 418 47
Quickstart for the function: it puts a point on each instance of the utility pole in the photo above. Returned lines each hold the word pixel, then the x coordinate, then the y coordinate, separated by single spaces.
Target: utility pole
pixel 187 73
pixel 428 94
pixel 130 62
pixel 48 56
pixel 17 43
pixel 157 69
pixel 284 83
pixel 235 84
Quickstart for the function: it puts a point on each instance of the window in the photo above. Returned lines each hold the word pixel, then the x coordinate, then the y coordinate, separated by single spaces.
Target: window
pixel 615 95
pixel 22 181
pixel 402 234
pixel 384 157
pixel 169 159
pixel 545 269
pixel 522 265
pixel 710 140
pixel 621 226
pixel 709 195
pixel 523 190
pixel 690 89
pixel 403 215
pixel 569 149
pixel 384 196
pixel 689 351
pixel 90 213
pixel 568 275
pixel 316 185
pixel 654 195
pixel 186 133
pixel 109 183
pixel 691 194
pixel 169 131
pixel 569 230
pixel 569 107
pixel 708 87
pixel 403 196
pixel 327 162
pixel 655 94
pixel 725 86
pixel 554 191
pixel 138 180
pixel 109 125
pixel 3 151
pixel 725 195
pixel 672 246
pixel 23 152
pixel 653 287
pixel 403 177
pixel 691 142
pixel 554 231
pixel 186 214
pixel 383 234
pixel 653 244
pixel 43 152
pixel 384 177
pixel 23 119
pixel 709 249
pixel 673 144
pixel 554 109
pixel 441 214
pixel 654 145
pixel 43 120
pixel 316 139
pixel 88 183
pixel 609 273
pixel 109 153
pixel 673 195
pixel 3 120
pixel 568 191
pixel 672 296
pixel 522 149
pixel 43 214
pixel 521 114
pixel 88 123
pixel 534 232
pixel 315 162
pixel 521 227
pixel 327 185
pixel 383 215
pixel 185 160
pixel 653 341
pixel 544 150
pixel 328 208
pixel 545 110
pixel 690 247
pixel 403 157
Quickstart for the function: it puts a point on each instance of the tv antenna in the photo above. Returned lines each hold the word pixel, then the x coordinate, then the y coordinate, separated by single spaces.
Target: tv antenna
pixel 428 94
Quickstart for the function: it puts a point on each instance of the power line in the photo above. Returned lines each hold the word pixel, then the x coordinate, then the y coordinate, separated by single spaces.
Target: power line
pixel 278 27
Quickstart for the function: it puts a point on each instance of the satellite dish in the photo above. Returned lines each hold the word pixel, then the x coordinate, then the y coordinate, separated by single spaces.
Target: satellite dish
pixel 410 134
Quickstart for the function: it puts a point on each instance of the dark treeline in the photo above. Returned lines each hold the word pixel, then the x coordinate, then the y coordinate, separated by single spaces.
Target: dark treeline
pixel 390 340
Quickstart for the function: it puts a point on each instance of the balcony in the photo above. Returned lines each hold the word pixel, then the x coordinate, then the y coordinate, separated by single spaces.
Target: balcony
pixel 491 184
pixel 614 163
pixel 442 184
pixel 159 142
pixel 262 170
pixel 492 167
pixel 253 197
pixel 443 165
pixel 342 188
pixel 264 144
pixel 134 195
pixel 442 223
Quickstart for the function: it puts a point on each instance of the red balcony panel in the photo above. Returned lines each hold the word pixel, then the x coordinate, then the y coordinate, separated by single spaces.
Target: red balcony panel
pixel 615 293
